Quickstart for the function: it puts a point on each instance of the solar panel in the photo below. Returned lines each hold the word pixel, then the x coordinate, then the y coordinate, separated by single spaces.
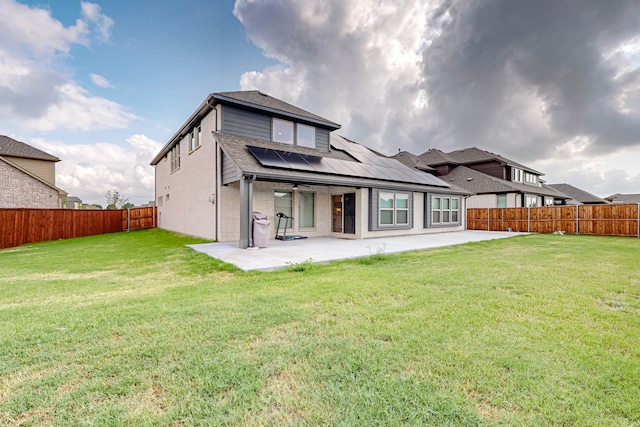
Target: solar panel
pixel 370 167
pixel 268 157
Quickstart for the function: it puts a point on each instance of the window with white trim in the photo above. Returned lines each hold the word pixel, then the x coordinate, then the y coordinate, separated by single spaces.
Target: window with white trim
pixel 282 131
pixel 530 178
pixel 283 202
pixel 531 201
pixel 548 201
pixel 445 210
pixel 175 157
pixel 393 208
pixel 516 175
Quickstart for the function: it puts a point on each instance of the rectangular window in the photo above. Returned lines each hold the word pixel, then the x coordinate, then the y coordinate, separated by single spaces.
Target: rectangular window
pixel 306 209
pixel 198 136
pixel 191 140
pixel 393 208
pixel 283 202
pixel 502 201
pixel 306 136
pixel 159 200
pixel 445 210
pixel 516 174
pixel 282 131
pixel 175 157
pixel 531 201
pixel 548 201
pixel 530 178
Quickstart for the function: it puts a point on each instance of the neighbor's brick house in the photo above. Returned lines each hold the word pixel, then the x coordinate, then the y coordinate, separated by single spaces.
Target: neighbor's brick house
pixel 27 177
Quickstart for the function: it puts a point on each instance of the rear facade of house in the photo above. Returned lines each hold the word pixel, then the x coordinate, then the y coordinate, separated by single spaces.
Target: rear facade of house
pixel 245 152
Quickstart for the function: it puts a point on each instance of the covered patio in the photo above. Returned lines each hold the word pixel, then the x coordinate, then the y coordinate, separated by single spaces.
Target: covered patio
pixel 282 254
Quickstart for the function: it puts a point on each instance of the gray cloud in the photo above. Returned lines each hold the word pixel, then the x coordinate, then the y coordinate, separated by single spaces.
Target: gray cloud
pixel 536 80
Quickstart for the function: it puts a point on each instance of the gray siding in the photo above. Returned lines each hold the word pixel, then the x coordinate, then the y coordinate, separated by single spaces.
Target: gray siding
pixel 322 140
pixel 427 211
pixel 230 172
pixel 245 123
pixel 374 211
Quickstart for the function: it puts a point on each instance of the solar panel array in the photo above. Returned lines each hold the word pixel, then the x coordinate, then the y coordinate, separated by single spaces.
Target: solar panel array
pixel 372 166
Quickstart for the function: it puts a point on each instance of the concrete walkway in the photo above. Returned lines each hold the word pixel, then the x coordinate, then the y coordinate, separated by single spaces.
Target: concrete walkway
pixel 280 254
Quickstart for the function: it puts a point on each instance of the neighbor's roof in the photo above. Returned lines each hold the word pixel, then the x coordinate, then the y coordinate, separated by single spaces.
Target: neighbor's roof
pixel 480 183
pixel 468 156
pixel 624 198
pixel 12 148
pixel 578 194
pixel 412 161
pixel 356 155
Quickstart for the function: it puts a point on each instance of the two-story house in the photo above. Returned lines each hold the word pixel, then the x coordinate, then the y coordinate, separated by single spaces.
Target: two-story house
pixel 496 181
pixel 27 177
pixel 244 152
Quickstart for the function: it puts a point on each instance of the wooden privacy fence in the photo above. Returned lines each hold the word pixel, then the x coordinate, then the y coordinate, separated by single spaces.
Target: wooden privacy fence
pixel 20 226
pixel 600 220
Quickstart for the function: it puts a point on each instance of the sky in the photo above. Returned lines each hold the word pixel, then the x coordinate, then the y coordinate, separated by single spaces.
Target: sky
pixel 103 85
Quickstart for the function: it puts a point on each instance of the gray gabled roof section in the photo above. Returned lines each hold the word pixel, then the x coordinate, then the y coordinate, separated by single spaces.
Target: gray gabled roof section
pixel 480 183
pixel 624 198
pixel 12 148
pixel 252 99
pixel 578 194
pixel 261 101
pixel 412 161
pixel 468 156
pixel 237 149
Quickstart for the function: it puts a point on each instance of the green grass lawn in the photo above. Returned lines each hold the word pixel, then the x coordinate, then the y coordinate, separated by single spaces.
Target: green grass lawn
pixel 136 329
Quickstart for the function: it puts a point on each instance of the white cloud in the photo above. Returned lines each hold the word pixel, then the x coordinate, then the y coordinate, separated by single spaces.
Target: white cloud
pixel 77 110
pixel 100 80
pixel 88 171
pixel 36 91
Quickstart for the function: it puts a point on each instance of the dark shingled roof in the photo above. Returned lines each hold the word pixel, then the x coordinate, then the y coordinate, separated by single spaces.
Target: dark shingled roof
pixel 468 156
pixel 578 194
pixel 412 161
pixel 257 98
pixel 235 148
pixel 624 198
pixel 480 183
pixel 12 148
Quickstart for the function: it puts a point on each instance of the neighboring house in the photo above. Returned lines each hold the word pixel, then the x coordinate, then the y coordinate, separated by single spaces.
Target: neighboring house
pixel 577 195
pixel 73 202
pixel 27 177
pixel 624 198
pixel 245 152
pixel 496 181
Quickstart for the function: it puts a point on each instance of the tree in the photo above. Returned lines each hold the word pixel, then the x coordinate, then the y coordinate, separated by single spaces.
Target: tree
pixel 128 205
pixel 115 200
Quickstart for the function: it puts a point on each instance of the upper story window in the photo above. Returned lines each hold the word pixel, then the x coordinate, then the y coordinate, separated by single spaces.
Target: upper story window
pixel 306 136
pixel 516 175
pixel 530 178
pixel 175 157
pixel 292 133
pixel 194 138
pixel 282 131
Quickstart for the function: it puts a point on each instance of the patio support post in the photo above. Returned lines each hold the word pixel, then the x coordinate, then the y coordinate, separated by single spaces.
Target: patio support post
pixel 246 196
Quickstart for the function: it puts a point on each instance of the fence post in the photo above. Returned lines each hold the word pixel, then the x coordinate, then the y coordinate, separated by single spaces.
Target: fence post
pixel 128 219
pixel 638 224
pixel 577 219
pixel 489 221
pixel 529 219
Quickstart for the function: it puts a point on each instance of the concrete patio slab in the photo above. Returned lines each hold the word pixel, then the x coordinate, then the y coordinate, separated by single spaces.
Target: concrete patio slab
pixel 281 254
